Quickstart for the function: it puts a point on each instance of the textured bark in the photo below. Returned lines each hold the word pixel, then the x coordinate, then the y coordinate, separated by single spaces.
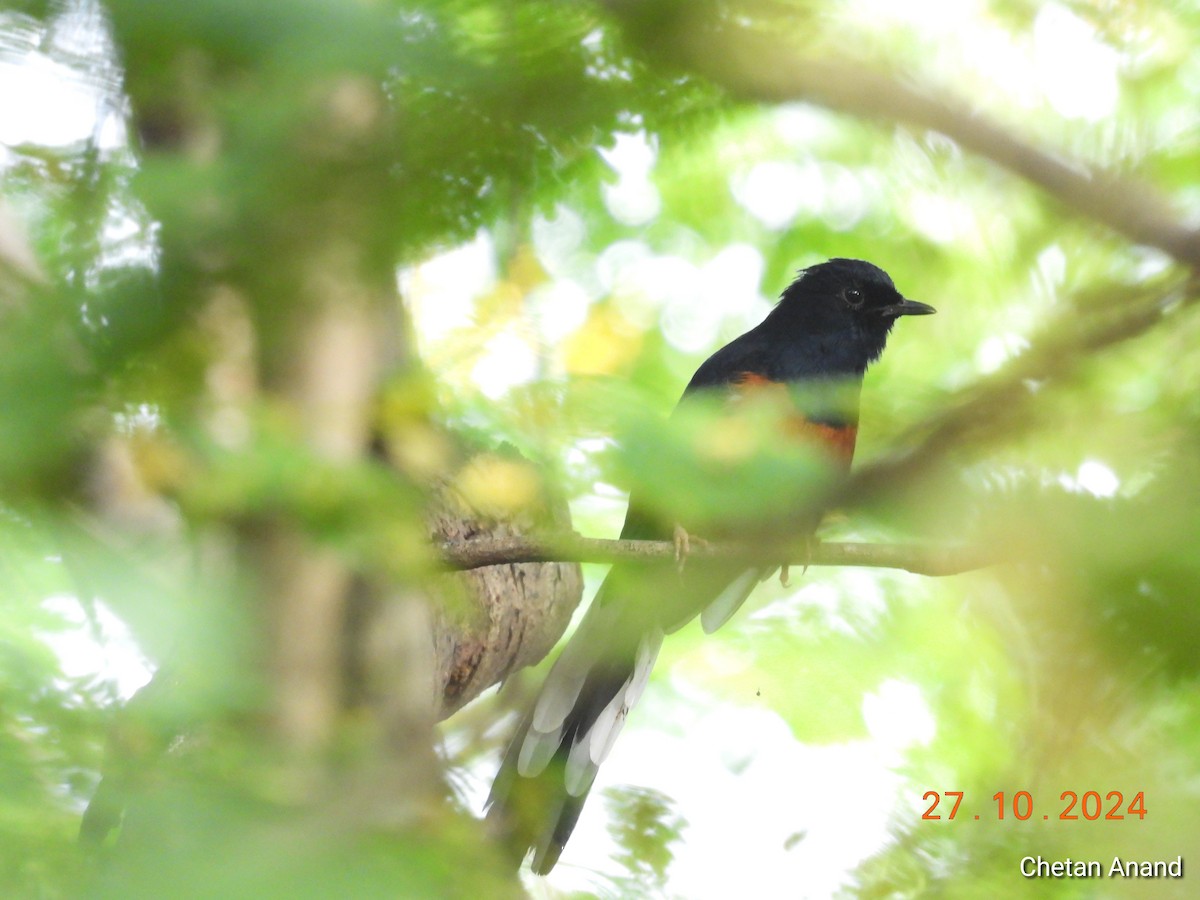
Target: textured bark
pixel 513 614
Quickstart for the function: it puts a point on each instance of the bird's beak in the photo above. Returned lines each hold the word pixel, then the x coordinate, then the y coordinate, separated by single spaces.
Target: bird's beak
pixel 907 308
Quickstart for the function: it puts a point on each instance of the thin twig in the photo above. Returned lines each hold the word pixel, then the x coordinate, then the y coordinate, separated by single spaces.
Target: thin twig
pixel 923 559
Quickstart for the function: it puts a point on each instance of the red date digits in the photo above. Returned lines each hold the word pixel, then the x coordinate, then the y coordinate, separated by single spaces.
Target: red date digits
pixel 930 814
pixel 1022 804
pixel 1090 805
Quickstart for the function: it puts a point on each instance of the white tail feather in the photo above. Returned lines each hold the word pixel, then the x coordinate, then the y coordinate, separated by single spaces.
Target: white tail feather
pixel 728 601
pixel 560 692
pixel 603 733
pixel 646 655
pixel 581 771
pixel 537 749
pixel 558 698
pixel 604 730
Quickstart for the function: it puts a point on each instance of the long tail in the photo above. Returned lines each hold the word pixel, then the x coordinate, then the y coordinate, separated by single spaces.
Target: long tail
pixel 553 758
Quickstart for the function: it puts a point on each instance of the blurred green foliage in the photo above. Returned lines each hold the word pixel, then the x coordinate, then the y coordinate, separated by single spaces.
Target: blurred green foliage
pixel 632 217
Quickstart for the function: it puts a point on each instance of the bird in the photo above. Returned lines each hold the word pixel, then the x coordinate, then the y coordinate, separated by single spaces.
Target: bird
pixel 812 350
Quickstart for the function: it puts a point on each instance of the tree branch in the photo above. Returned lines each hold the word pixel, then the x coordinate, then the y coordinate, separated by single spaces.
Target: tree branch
pixel 1129 207
pixel 997 406
pixel 922 559
pixel 760 66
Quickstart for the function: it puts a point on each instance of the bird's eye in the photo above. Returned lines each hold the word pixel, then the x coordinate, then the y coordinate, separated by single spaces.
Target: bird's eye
pixel 853 297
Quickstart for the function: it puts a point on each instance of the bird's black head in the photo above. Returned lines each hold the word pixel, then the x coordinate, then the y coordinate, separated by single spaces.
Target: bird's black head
pixel 838 314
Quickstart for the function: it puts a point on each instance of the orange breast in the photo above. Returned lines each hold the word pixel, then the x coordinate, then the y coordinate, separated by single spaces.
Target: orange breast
pixel 839 440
